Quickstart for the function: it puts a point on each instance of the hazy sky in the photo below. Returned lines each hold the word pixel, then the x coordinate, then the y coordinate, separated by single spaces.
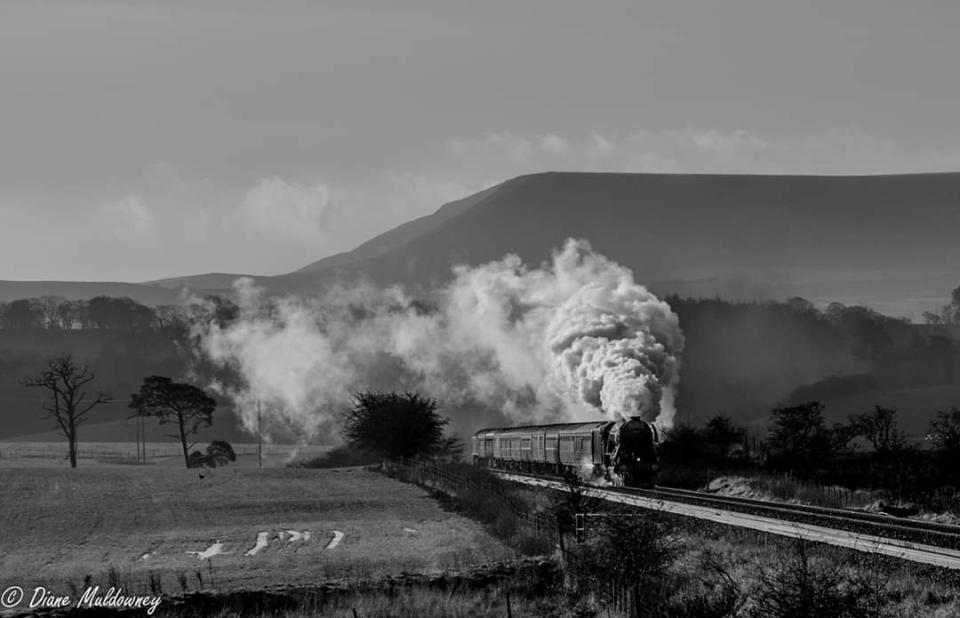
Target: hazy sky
pixel 143 139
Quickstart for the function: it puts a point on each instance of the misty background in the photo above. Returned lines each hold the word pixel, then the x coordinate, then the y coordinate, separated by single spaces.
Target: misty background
pixel 784 176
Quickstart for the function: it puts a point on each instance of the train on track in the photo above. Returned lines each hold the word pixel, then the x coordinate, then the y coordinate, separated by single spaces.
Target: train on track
pixel 623 453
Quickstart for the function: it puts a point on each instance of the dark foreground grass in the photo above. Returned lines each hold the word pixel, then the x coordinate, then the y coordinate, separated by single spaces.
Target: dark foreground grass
pixel 528 587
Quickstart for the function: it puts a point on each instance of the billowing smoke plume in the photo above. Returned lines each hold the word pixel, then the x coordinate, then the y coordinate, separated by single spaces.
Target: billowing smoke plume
pixel 574 339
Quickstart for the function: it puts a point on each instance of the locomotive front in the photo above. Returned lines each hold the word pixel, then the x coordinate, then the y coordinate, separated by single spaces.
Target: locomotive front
pixel 632 448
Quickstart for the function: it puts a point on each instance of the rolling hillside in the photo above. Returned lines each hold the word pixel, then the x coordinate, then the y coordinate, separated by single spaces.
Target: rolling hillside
pixel 888 242
pixel 884 241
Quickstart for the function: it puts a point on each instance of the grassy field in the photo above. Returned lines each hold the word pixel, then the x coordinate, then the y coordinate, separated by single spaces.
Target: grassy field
pixel 130 524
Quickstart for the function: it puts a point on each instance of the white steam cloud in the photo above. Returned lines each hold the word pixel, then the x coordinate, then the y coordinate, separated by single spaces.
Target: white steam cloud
pixel 574 339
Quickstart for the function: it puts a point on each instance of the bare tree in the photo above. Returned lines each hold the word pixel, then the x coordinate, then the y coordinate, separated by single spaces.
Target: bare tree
pixel 880 429
pixel 945 430
pixel 66 382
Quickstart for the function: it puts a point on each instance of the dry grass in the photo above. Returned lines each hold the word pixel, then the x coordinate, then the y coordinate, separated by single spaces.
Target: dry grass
pixel 58 526
pixel 786 489
pixel 906 589
pixel 422 603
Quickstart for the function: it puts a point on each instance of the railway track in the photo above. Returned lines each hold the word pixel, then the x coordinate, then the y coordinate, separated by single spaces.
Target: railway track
pixel 926 542
pixel 932 533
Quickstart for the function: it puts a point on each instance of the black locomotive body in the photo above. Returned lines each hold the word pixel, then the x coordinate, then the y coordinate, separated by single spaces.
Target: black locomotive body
pixel 622 452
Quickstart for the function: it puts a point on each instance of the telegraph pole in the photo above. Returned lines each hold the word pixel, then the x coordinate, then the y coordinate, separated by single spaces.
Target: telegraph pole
pixel 259 435
pixel 141 437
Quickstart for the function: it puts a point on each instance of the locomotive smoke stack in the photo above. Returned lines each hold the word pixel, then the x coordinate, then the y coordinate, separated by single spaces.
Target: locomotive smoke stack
pixel 616 347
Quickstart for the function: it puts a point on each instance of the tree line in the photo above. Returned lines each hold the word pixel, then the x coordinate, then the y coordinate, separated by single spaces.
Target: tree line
pixel 57 313
pixel 746 355
pixel 948 315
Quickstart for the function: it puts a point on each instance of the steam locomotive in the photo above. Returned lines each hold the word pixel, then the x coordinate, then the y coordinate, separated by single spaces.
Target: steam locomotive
pixel 622 453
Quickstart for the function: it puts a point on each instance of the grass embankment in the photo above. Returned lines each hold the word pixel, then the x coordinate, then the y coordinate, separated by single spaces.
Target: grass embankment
pixel 683 567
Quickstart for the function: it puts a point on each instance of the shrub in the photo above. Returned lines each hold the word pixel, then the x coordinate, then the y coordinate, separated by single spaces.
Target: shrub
pixel 630 549
pixel 803 587
pixel 708 591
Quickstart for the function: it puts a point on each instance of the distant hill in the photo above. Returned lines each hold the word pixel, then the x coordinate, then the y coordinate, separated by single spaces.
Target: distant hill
pixel 397 238
pixel 208 281
pixel 888 242
pixel 885 241
pixel 915 407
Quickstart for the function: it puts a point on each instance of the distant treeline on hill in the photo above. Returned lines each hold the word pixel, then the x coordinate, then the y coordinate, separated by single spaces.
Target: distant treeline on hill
pixel 56 313
pixel 740 359
pixel 761 352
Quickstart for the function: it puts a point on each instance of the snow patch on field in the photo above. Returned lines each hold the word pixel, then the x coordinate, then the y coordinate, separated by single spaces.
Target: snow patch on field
pixel 337 537
pixel 214 550
pixel 940 518
pixel 261 544
pixel 737 486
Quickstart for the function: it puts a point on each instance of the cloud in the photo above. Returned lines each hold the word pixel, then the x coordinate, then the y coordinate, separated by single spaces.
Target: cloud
pixel 290 209
pixel 166 223
pixel 182 223
pixel 696 150
pixel 128 215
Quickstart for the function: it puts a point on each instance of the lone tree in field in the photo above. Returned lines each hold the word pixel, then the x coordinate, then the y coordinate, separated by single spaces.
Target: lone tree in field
pixel 66 382
pixel 175 402
pixel 394 425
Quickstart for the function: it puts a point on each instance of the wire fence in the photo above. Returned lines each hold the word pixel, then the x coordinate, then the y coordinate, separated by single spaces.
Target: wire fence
pixel 128 450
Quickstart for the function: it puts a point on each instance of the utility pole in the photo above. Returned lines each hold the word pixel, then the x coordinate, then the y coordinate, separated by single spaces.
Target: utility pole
pixel 137 426
pixel 259 435
pixel 141 437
